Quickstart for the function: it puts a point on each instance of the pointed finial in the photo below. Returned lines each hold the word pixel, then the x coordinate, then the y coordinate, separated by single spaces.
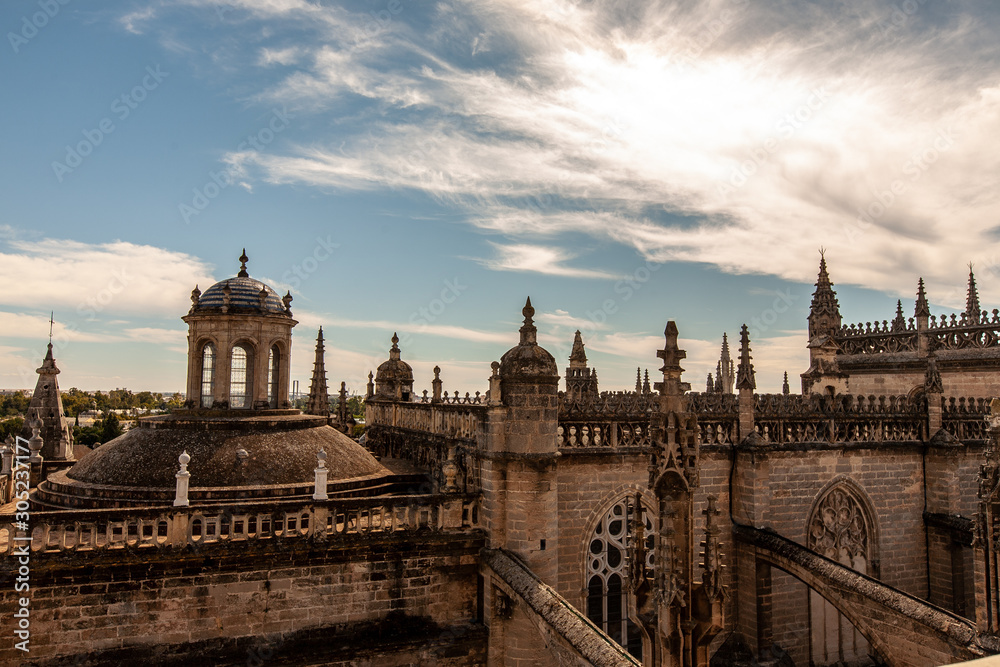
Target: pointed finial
pixel 785 389
pixel 899 322
pixel 972 310
pixel 922 307
pixel 243 265
pixel 52 315
pixel 638 380
pixel 528 331
pixel 395 341
pixel 578 354
pixel 745 374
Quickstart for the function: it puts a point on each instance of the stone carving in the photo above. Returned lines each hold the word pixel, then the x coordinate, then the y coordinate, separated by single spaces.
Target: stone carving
pixel 838 528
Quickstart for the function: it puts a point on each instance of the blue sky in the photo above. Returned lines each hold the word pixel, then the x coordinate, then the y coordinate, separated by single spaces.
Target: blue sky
pixel 422 167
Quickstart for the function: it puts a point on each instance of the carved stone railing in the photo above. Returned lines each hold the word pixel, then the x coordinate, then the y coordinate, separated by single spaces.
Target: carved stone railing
pixel 609 434
pixel 944 333
pixel 963 336
pixel 610 405
pixel 965 418
pixel 610 420
pixel 878 343
pixel 163 527
pixel 844 418
pixel 718 417
pixel 458 421
pixel 455 399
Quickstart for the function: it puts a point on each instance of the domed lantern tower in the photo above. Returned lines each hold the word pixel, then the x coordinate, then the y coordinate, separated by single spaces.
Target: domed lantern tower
pixel 239 340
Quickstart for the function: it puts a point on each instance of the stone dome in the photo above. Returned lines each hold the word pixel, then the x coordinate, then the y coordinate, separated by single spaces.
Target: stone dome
pixel 232 457
pixel 245 295
pixel 394 369
pixel 528 358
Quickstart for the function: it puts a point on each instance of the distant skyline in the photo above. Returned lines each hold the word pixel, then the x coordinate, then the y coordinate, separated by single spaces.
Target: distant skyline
pixel 424 167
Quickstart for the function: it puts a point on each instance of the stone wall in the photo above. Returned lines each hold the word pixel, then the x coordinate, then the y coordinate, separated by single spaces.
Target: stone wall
pixel 394 596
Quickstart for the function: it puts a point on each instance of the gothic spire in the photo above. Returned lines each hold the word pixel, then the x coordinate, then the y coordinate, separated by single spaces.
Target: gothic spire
pixel 922 309
pixel 785 389
pixel 578 356
pixel 724 370
pixel 972 309
pixel 319 397
pixel 645 383
pixel 709 386
pixel 824 311
pixel 899 322
pixel 46 408
pixel 638 380
pixel 745 378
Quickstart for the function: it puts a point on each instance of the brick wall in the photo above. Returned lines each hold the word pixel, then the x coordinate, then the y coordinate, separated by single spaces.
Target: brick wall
pixel 188 604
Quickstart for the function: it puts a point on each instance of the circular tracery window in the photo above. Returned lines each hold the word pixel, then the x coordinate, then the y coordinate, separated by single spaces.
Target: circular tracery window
pixel 607 569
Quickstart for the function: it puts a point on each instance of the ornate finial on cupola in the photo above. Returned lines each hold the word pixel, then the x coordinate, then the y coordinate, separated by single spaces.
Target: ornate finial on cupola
pixel 243 265
pixel 262 298
pixel 922 309
pixel 287 301
pixel 226 292
pixel 529 334
pixel 394 350
pixel 195 296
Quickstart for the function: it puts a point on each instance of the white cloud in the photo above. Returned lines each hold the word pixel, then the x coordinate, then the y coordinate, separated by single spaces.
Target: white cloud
pixel 95 280
pixel 539 259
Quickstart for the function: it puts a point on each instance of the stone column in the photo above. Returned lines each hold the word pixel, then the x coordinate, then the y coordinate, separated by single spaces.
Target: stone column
pixel 183 479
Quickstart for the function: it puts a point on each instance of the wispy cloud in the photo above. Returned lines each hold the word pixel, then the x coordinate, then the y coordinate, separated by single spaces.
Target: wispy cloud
pixel 766 129
pixel 539 259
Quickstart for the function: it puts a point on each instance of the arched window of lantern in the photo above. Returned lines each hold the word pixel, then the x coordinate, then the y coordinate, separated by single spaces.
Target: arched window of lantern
pixel 241 377
pixel 207 375
pixel 273 373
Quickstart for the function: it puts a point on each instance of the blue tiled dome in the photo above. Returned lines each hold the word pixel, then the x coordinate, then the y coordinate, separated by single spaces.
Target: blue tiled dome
pixel 245 296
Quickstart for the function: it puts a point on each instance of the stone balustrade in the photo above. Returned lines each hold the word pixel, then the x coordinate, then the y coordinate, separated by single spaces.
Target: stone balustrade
pixel 172 527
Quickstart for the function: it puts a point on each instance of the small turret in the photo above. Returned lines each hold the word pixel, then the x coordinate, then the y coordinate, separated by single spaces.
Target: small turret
pixel 824 311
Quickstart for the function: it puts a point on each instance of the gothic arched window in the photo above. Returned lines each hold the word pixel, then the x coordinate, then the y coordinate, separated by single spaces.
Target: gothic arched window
pixel 842 528
pixel 240 378
pixel 606 572
pixel 207 375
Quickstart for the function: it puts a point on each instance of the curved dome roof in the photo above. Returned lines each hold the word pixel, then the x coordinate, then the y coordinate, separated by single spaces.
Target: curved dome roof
pixel 231 458
pixel 528 357
pixel 394 368
pixel 245 295
pixel 273 450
